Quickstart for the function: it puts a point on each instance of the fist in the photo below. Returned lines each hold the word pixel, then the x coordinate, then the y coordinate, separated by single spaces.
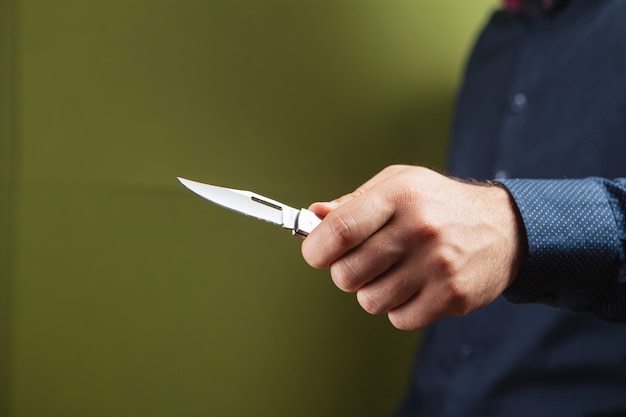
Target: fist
pixel 418 245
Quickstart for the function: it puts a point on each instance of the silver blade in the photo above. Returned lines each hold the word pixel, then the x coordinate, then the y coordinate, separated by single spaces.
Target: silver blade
pixel 245 202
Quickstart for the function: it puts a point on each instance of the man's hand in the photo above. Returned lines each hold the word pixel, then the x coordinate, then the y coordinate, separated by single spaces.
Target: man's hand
pixel 418 245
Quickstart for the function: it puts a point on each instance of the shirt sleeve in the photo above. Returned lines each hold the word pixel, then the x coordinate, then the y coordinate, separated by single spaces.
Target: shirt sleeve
pixel 576 232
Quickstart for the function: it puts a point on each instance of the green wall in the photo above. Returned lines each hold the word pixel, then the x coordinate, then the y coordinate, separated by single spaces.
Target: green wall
pixel 122 294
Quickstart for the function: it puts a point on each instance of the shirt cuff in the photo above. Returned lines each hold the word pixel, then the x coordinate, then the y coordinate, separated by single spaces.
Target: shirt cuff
pixel 573 243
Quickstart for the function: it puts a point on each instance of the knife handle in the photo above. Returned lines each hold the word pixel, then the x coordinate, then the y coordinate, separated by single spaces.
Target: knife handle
pixel 306 222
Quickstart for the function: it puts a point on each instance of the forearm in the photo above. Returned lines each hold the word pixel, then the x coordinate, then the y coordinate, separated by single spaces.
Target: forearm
pixel 576 232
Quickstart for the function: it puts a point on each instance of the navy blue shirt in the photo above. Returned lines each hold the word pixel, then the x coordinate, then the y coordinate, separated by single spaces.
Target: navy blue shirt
pixel 543 98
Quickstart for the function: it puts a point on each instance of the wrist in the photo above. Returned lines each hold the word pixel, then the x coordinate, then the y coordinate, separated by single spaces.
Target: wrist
pixel 513 222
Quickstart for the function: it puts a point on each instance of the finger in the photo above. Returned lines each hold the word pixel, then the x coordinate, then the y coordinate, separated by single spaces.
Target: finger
pixel 390 290
pixel 422 309
pixel 371 259
pixel 321 209
pixel 344 228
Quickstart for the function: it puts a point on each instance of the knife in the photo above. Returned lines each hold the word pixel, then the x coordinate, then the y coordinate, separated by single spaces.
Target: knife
pixel 300 222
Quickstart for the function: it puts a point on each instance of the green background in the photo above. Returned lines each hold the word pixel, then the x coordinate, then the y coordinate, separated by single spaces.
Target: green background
pixel 123 294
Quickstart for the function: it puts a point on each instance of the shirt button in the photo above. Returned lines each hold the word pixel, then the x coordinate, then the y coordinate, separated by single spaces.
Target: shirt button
pixel 467 351
pixel 519 103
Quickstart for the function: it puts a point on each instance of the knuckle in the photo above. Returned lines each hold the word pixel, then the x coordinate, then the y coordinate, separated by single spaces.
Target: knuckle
pixel 445 264
pixel 342 229
pixel 431 234
pixel 397 169
pixel 424 229
pixel 457 297
pixel 392 169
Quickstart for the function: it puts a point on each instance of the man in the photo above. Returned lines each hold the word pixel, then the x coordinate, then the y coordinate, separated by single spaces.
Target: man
pixel 544 99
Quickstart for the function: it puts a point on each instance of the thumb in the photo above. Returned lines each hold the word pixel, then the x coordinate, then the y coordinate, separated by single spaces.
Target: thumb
pixel 321 209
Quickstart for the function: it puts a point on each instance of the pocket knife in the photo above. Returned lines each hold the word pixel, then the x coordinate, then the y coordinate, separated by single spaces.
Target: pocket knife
pixel 300 222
